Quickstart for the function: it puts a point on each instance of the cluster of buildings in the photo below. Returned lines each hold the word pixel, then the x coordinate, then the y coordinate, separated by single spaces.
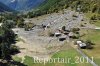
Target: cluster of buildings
pixel 63 34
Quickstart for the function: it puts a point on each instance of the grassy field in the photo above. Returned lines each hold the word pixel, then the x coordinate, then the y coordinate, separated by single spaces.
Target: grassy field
pixel 95 22
pixel 94 36
pixel 66 52
pixel 71 54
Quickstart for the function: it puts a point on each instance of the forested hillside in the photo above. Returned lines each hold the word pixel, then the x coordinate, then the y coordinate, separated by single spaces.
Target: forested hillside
pixel 50 6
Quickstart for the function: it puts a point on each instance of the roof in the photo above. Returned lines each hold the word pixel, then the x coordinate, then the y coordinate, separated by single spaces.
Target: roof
pixel 16 30
pixel 78 42
pixel 57 33
pixel 0 24
pixel 98 28
pixel 10 21
pixel 82 45
pixel 71 34
pixel 63 36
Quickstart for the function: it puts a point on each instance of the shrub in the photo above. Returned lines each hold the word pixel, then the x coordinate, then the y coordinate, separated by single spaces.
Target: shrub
pixel 93 17
pixel 75 29
pixel 89 44
pixel 64 28
pixel 14 49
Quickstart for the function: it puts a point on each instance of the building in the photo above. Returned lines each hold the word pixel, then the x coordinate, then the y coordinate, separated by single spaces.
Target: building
pixel 62 38
pixel 81 44
pixel 0 24
pixel 57 34
pixel 16 30
pixel 71 35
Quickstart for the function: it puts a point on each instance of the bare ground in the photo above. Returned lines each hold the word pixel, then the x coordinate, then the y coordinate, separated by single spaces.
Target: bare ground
pixel 42 46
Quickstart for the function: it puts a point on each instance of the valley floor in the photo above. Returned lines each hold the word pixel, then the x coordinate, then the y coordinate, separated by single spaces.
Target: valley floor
pixel 35 44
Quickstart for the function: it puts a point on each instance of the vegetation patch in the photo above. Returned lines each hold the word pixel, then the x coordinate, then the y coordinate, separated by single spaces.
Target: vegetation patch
pixel 66 53
pixel 94 36
pixel 17 59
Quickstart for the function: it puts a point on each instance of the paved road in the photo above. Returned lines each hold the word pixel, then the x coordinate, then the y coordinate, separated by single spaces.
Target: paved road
pixel 85 56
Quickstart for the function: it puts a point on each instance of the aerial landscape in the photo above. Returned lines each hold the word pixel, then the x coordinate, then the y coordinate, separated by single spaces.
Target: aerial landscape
pixel 49 32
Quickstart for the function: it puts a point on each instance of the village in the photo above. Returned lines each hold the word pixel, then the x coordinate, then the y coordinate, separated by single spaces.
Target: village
pixel 49 33
pixel 52 31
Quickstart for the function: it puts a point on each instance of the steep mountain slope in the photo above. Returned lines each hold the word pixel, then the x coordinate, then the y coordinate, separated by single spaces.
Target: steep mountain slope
pixel 84 5
pixel 50 6
pixel 22 4
pixel 4 8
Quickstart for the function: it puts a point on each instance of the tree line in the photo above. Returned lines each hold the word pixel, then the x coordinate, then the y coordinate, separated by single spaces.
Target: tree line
pixel 7 47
